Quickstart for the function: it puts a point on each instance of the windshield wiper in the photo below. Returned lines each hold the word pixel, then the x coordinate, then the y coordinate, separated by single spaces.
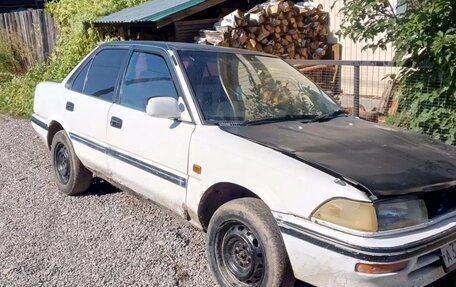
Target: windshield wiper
pixel 279 119
pixel 326 117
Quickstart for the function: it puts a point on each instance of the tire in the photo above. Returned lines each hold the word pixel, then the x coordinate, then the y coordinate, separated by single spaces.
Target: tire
pixel 245 247
pixel 71 176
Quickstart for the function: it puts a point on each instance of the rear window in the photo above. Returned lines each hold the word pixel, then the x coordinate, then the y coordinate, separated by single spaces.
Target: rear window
pixel 103 73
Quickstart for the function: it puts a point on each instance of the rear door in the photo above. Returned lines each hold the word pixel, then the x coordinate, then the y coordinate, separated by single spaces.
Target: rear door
pixel 148 154
pixel 91 95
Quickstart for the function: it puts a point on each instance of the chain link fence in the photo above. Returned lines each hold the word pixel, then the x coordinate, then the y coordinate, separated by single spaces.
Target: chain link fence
pixel 378 91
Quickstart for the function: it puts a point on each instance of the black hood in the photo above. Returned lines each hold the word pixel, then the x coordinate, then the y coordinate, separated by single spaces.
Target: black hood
pixel 381 160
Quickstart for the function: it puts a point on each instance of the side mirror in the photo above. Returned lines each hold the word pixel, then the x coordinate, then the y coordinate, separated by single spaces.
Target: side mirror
pixel 163 107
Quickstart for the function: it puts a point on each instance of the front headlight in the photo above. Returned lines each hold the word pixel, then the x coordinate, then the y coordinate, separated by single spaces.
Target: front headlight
pixel 400 213
pixel 369 217
pixel 348 213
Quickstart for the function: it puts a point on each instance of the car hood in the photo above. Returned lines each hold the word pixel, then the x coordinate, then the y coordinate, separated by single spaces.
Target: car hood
pixel 381 160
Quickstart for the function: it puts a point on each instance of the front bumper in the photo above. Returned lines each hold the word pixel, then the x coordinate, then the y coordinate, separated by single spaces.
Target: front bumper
pixel 328 260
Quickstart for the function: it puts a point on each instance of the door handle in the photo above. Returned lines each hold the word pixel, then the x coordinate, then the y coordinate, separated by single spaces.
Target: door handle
pixel 116 122
pixel 69 106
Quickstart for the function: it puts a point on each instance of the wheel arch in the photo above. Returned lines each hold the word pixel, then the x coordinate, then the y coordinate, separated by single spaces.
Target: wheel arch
pixel 217 195
pixel 54 127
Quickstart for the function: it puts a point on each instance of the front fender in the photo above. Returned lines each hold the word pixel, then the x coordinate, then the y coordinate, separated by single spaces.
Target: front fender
pixel 285 184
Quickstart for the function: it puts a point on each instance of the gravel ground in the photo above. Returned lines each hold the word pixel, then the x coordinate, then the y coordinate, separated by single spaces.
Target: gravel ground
pixel 104 237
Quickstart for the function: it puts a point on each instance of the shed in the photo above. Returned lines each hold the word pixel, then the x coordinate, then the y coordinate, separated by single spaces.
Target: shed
pixel 168 20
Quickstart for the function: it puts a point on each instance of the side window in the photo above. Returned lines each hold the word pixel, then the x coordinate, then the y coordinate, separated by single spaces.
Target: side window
pixel 103 73
pixel 79 81
pixel 147 76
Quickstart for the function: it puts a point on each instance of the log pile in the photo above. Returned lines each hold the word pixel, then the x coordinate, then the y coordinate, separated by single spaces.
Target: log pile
pixel 279 27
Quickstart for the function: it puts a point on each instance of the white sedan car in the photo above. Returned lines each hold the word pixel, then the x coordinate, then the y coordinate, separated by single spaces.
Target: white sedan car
pixel 248 149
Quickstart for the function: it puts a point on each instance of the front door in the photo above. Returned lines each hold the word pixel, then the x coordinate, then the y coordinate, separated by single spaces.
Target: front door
pixel 148 154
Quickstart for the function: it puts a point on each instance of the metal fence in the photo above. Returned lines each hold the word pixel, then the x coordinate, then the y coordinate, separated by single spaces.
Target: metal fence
pixel 370 90
pixel 357 85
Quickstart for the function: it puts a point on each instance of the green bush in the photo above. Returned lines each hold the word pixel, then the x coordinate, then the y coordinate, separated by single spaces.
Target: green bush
pixel 427 105
pixel 16 96
pixel 74 43
pixel 15 59
pixel 428 95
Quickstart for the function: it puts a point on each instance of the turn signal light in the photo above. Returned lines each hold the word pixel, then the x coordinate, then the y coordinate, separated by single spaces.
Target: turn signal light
pixel 380 268
pixel 197 169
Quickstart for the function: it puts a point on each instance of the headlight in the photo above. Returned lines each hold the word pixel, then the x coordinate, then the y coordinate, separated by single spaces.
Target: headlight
pixel 347 213
pixel 367 217
pixel 400 213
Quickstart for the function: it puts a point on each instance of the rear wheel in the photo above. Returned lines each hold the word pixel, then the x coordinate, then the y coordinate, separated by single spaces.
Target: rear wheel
pixel 71 175
pixel 245 247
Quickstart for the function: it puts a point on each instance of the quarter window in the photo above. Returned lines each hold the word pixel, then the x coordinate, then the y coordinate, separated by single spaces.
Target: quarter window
pixel 79 81
pixel 147 76
pixel 103 73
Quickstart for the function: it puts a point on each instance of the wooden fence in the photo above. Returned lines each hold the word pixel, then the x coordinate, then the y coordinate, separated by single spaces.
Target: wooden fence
pixel 35 27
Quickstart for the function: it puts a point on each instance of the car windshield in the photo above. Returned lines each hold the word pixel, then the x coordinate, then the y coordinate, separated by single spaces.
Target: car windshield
pixel 248 88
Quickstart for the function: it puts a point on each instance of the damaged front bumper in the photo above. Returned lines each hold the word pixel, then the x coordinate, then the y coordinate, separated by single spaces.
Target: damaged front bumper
pixel 325 257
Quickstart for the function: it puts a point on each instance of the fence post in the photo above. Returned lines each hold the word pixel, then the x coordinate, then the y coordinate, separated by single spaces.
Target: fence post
pixel 356 83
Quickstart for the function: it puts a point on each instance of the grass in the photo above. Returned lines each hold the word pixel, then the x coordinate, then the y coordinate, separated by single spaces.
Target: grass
pixel 16 95
pixel 15 60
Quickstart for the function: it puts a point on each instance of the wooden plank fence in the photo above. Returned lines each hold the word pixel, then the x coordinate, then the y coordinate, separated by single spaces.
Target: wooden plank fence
pixel 35 27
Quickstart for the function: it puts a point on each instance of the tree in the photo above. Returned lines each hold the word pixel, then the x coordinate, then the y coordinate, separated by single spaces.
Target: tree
pixel 423 35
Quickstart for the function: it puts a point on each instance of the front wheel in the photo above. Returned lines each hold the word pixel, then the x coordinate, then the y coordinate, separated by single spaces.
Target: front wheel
pixel 245 247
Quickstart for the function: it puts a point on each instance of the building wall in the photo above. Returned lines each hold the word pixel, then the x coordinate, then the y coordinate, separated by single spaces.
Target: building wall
pixel 351 50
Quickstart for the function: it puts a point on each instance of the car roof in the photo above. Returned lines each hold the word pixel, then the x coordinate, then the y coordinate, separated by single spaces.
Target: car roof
pixel 184 46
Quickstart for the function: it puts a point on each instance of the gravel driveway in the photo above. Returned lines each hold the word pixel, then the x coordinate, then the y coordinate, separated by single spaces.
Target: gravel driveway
pixel 104 237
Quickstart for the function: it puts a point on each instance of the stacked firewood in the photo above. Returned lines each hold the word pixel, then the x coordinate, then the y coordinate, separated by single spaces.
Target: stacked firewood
pixel 279 27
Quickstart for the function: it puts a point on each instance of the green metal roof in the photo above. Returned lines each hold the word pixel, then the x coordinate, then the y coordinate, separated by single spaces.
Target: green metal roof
pixel 154 11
